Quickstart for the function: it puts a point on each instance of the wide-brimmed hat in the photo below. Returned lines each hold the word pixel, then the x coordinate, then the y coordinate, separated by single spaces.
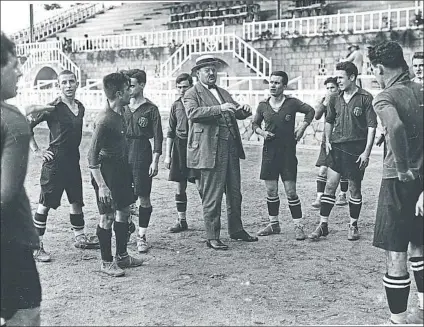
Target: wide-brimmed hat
pixel 207 60
pixel 353 45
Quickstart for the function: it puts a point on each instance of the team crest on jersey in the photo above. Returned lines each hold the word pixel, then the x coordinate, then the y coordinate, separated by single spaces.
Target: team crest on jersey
pixel 357 111
pixel 143 122
pixel 288 117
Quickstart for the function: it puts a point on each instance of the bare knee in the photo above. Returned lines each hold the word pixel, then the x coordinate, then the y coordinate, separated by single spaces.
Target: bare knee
pixel 415 250
pixel 181 187
pixel 271 188
pixel 42 210
pixel 76 208
pixel 322 171
pixel 396 263
pixel 107 220
pixel 144 201
pixel 123 215
pixel 355 189
pixel 290 188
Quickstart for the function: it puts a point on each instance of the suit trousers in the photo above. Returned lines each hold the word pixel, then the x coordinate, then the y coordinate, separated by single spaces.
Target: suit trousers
pixel 224 177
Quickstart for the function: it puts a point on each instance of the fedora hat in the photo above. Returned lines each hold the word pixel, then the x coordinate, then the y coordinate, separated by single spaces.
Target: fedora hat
pixel 207 60
pixel 353 45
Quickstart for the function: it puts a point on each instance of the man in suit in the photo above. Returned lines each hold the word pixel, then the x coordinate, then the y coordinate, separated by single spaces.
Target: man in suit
pixel 214 150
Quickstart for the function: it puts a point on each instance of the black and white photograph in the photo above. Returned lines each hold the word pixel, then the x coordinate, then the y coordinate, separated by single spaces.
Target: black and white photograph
pixel 212 163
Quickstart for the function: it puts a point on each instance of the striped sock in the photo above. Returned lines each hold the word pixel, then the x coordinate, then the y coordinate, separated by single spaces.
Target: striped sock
pixel 273 204
pixel 321 182
pixel 417 266
pixel 295 208
pixel 327 204
pixel 344 184
pixel 181 203
pixel 40 223
pixel 397 292
pixel 77 223
pixel 355 206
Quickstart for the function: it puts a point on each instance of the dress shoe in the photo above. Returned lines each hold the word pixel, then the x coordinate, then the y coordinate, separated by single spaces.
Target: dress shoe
pixel 243 236
pixel 216 245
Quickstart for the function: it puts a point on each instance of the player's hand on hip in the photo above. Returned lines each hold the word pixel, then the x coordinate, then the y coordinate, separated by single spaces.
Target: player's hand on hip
pixel 406 176
pixel 228 107
pixel 298 133
pixel 419 206
pixel 48 156
pixel 167 162
pixel 104 195
pixel 153 170
pixel 328 148
pixel 363 160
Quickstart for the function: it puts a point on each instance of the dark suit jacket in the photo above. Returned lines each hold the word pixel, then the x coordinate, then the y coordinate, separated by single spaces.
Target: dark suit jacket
pixel 203 111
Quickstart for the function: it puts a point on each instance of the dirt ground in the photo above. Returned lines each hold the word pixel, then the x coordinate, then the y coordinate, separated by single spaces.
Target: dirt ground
pixel 276 281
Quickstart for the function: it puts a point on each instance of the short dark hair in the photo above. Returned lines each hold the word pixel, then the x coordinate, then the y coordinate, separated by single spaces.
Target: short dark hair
pixel 281 74
pixel 418 55
pixel 330 80
pixel 7 47
pixel 138 74
pixel 389 54
pixel 66 72
pixel 113 83
pixel 349 67
pixel 184 77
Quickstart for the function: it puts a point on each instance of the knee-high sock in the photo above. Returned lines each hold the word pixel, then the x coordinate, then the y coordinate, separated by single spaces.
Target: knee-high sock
pixel 77 223
pixel 295 209
pixel 355 206
pixel 181 203
pixel 327 204
pixel 144 215
pixel 121 235
pixel 273 204
pixel 417 266
pixel 321 182
pixel 40 222
pixel 105 241
pixel 397 292
pixel 344 185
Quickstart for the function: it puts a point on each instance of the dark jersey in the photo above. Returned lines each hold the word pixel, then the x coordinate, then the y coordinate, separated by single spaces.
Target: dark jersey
pixel 282 123
pixel 178 122
pixel 16 220
pixel 65 127
pixel 108 140
pixel 144 123
pixel 351 120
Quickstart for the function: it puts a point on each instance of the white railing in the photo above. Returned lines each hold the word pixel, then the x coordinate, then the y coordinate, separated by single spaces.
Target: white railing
pixel 142 40
pixel 48 83
pixel 218 44
pixel 24 49
pixel 95 99
pixel 360 22
pixel 58 23
pixel 52 56
pixel 249 82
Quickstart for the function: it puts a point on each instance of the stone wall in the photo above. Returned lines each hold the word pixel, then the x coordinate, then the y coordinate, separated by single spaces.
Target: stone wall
pixel 305 56
pixel 95 65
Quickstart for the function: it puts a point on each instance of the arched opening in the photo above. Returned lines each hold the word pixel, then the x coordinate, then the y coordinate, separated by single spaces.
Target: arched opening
pixel 45 78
